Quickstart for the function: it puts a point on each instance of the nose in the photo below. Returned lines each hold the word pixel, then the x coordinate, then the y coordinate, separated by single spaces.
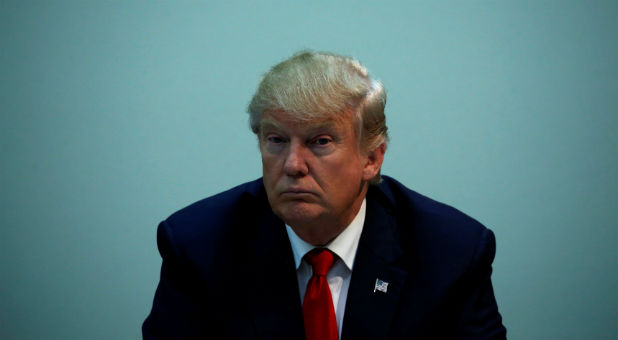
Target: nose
pixel 295 164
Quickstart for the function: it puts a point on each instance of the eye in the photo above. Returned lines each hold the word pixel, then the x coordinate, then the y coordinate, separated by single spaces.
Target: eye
pixel 274 139
pixel 322 141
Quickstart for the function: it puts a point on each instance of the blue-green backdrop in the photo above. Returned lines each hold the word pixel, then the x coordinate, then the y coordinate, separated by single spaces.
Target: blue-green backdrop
pixel 114 114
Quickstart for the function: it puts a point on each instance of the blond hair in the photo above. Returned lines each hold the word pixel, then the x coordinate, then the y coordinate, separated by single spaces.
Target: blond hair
pixel 319 85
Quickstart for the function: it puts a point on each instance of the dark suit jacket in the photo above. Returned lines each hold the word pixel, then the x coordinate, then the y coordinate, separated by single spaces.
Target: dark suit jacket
pixel 228 271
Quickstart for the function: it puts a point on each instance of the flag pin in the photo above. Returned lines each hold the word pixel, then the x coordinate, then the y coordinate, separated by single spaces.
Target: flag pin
pixel 381 286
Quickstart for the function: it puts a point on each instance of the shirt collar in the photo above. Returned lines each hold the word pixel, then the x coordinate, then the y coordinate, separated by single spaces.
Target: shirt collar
pixel 344 245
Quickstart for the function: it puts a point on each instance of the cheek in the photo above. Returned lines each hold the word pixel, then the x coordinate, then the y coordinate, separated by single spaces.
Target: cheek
pixel 269 164
pixel 270 170
pixel 342 179
pixel 348 169
pixel 270 182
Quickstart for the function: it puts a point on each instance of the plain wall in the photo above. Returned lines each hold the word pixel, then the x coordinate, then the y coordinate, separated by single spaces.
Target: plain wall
pixel 114 114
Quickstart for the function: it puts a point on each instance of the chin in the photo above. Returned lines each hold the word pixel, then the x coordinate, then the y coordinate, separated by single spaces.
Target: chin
pixel 294 213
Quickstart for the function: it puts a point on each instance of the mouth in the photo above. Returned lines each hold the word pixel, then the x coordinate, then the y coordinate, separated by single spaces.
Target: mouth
pixel 297 193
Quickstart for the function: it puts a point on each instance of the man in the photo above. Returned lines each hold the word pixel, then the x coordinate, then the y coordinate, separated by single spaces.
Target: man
pixel 323 246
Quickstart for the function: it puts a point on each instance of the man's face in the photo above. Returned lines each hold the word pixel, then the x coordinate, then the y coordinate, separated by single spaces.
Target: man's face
pixel 314 173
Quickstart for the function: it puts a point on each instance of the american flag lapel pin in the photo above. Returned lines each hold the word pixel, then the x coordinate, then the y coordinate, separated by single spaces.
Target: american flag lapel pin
pixel 380 286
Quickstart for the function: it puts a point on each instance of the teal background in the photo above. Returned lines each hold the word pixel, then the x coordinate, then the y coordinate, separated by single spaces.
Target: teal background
pixel 115 114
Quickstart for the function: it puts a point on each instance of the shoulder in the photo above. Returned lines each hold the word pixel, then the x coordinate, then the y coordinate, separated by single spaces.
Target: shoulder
pixel 215 219
pixel 430 226
pixel 221 205
pixel 410 203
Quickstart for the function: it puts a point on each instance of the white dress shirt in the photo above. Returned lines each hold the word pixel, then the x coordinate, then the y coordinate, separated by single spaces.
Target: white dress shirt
pixel 338 277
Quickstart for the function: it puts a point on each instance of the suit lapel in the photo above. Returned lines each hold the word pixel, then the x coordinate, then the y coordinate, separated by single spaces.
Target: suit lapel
pixel 274 300
pixel 369 312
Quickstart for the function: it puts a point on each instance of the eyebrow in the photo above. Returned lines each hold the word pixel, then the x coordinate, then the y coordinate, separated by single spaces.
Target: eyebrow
pixel 266 123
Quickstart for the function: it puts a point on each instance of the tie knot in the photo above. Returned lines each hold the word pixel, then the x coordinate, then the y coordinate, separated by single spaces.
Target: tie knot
pixel 321 260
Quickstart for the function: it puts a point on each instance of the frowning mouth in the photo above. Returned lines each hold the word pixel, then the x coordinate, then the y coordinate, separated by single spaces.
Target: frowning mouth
pixel 297 193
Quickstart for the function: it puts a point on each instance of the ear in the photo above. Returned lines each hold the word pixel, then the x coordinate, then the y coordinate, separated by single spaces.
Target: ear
pixel 374 162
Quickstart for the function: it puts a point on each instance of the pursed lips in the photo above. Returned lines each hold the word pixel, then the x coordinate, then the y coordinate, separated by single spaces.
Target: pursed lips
pixel 297 192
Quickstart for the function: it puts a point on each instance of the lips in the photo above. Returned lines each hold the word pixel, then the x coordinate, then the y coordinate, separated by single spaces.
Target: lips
pixel 297 192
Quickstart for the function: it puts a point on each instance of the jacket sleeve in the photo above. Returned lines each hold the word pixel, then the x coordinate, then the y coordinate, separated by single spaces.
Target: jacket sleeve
pixel 174 311
pixel 479 316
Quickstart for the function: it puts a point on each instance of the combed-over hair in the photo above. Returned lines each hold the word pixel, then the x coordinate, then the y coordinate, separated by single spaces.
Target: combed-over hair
pixel 314 86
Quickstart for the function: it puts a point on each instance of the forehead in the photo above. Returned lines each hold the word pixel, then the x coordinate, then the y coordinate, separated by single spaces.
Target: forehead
pixel 285 120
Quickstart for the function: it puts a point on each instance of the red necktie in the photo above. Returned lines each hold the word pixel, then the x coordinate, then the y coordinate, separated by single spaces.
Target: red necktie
pixel 318 309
